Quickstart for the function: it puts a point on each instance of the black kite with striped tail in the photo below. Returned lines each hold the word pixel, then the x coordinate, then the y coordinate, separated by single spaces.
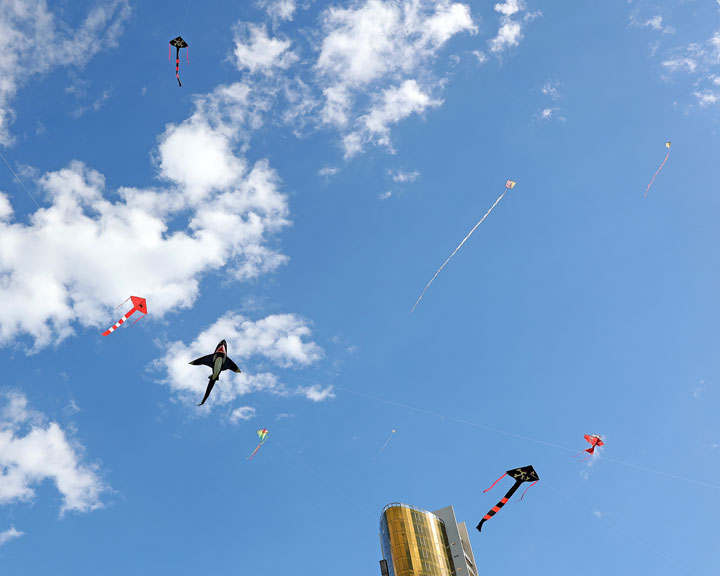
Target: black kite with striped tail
pixel 524 474
pixel 178 43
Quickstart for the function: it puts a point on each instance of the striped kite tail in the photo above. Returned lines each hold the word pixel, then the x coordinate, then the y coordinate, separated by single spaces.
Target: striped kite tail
pixel 177 66
pixel 116 326
pixel 494 510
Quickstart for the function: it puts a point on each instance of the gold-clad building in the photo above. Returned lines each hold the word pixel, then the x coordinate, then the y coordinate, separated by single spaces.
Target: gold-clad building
pixel 416 542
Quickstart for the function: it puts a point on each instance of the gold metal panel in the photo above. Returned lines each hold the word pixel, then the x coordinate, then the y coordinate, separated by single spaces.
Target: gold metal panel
pixel 417 542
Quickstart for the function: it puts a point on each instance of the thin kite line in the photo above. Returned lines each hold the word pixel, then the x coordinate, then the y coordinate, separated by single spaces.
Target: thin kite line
pixel 504 432
pixel 621 530
pixel 18 179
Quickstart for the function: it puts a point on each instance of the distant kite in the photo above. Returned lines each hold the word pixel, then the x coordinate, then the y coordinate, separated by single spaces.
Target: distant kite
pixel 262 435
pixel 525 474
pixel 509 185
pixel 595 441
pixel 139 305
pixel 178 43
pixel 667 145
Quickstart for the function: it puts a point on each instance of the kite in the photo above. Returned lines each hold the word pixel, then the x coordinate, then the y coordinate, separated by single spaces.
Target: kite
pixel 667 145
pixel 178 43
pixel 218 361
pixel 525 474
pixel 595 441
pixel 139 305
pixel 509 185
pixel 262 435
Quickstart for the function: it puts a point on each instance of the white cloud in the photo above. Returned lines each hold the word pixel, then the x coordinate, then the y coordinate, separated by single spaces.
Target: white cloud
pixel 401 176
pixel 547 114
pixel 699 389
pixel 316 393
pixel 279 9
pixel 328 171
pixel 96 105
pixel 33 450
pixel 381 49
pixel 552 89
pixel 510 31
pixel 257 52
pixel 10 534
pixel 282 339
pixel 480 56
pixel 655 23
pixel 701 61
pixel 385 195
pixel 242 413
pixel 675 64
pixel 37 41
pixel 60 269
pixel 393 105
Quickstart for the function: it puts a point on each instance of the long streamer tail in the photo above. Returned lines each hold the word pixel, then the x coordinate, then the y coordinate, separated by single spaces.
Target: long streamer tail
pixel 495 509
pixel 177 66
pixel 656 173
pixel 386 443
pixel 456 249
pixel 255 451
pixel 526 489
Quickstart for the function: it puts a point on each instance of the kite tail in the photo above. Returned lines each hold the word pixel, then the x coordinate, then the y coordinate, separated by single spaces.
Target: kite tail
pixel 456 249
pixel 255 451
pixel 117 324
pixel 656 173
pixel 492 512
pixel 177 66
pixel 495 509
pixel 526 489
pixel 590 450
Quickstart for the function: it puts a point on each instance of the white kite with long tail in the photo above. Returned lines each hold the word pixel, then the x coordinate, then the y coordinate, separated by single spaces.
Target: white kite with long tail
pixel 509 185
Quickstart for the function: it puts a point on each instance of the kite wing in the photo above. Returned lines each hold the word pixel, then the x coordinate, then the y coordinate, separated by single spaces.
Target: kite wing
pixel 230 365
pixel 204 361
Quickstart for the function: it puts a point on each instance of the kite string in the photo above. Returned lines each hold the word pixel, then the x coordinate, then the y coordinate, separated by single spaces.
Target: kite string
pixel 500 431
pixel 656 173
pixel 621 530
pixel 456 249
pixel 18 179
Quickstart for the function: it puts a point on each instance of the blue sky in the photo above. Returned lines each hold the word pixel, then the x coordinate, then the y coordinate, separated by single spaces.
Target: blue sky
pixel 317 166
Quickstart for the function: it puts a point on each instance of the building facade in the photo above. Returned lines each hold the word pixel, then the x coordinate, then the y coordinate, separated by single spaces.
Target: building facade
pixel 417 542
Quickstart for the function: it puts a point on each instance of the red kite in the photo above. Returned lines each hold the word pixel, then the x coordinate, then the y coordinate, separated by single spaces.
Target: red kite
pixel 139 305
